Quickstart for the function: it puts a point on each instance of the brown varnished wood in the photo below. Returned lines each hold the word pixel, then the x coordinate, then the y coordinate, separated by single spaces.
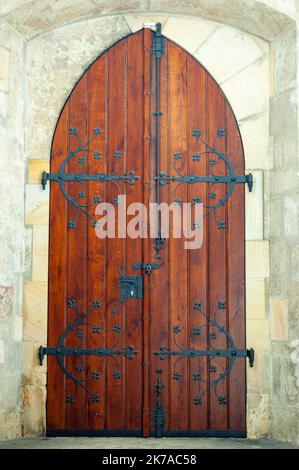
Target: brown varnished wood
pixel 134 247
pixel 217 254
pixel 178 256
pixel 236 275
pixel 57 294
pixel 117 95
pixel 77 256
pixel 117 115
pixel 97 253
pixel 196 105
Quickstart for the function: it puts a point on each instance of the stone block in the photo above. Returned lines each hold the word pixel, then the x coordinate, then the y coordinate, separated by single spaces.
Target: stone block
pixel 188 33
pixel 257 259
pixel 284 422
pixel 227 51
pixel 136 22
pixel 291 216
pixel 279 259
pixel 34 399
pixel 36 168
pixel 4 69
pixel 33 373
pixel 258 416
pixel 10 425
pixel 254 204
pixel 35 312
pixel 40 253
pixel 255 299
pixel 285 62
pixel 279 318
pixel 255 137
pixel 257 333
pixel 2 351
pixel 248 90
pixel 37 205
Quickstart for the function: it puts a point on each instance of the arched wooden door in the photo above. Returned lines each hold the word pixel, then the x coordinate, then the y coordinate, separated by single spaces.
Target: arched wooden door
pixel 146 337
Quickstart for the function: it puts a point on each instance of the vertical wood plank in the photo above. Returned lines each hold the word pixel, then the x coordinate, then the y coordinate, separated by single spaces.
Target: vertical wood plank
pixel 77 256
pixel 96 328
pixel 217 258
pixel 57 278
pixel 236 275
pixel 134 247
pixel 116 246
pixel 178 254
pixel 198 264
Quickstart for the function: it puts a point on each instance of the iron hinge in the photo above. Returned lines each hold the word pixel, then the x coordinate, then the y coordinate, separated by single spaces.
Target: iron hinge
pixel 158 43
pixel 250 355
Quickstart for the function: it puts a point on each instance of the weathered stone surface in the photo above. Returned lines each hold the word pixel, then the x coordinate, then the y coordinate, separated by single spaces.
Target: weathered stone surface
pixel 291 216
pixel 254 208
pixel 257 259
pixel 4 69
pixel 227 51
pixel 256 88
pixel 10 425
pixel 136 22
pixel 35 312
pixel 37 205
pixel 258 416
pixel 36 168
pixel 255 299
pixel 61 56
pixel 38 17
pixel 188 32
pixel 246 15
pixel 284 422
pixel 255 137
pixel 285 62
pixel 33 410
pixel 33 373
pixel 257 331
pixel 40 253
pixel 279 318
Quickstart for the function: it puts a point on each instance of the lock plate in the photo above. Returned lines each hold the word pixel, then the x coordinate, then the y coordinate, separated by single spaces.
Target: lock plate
pixel 131 287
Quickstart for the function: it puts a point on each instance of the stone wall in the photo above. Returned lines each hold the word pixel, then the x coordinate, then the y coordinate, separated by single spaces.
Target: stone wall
pixel 44 59
pixel 283 289
pixel 12 231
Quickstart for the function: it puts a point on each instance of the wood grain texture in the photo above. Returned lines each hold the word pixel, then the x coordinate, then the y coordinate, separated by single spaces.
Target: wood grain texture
pixel 117 95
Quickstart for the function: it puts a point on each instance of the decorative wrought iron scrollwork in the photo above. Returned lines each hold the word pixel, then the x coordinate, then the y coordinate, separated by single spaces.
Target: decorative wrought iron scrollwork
pixel 63 177
pixel 214 156
pixel 61 351
pixel 231 353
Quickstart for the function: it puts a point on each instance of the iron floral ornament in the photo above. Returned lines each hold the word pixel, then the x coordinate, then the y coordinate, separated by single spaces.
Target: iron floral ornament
pixel 214 157
pixel 83 152
pixel 216 373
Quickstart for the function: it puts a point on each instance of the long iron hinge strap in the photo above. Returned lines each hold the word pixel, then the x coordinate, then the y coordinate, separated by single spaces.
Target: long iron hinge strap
pixel 64 178
pixel 166 179
pixel 158 45
pixel 228 353
pixel 128 352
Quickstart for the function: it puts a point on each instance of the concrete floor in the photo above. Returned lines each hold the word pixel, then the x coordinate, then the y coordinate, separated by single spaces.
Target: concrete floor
pixel 137 443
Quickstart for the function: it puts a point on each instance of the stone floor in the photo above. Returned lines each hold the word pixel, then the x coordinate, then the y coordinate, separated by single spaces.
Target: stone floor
pixel 137 443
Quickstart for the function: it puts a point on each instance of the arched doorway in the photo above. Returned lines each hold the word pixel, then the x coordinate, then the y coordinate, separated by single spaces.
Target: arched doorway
pixel 144 336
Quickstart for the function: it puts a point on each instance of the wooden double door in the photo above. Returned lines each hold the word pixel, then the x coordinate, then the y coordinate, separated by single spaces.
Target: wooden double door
pixel 146 337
